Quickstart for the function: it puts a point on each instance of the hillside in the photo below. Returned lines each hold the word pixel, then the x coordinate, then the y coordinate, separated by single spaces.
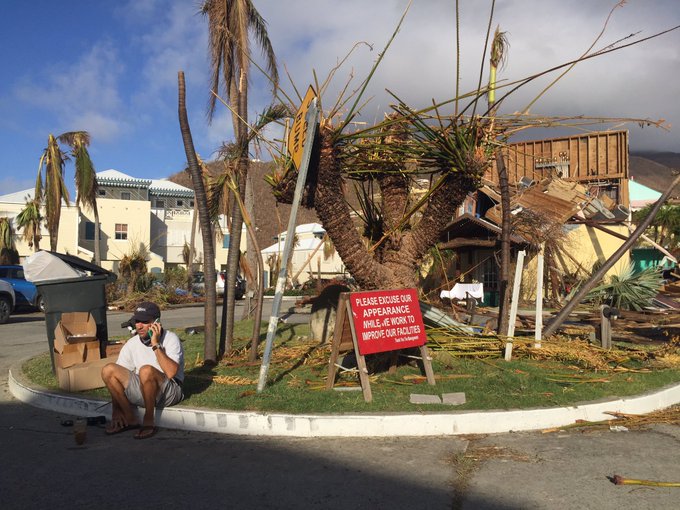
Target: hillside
pixel 654 169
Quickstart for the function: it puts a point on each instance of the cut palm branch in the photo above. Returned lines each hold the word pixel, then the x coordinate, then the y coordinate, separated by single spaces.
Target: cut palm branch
pixel 619 480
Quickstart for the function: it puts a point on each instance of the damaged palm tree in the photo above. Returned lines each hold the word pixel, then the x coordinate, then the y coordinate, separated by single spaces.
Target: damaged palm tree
pixel 497 56
pixel 54 191
pixel 30 219
pixel 398 229
pixel 452 152
pixel 230 25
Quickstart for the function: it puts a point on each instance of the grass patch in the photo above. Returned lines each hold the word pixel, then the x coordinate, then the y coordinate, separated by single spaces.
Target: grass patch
pixel 298 370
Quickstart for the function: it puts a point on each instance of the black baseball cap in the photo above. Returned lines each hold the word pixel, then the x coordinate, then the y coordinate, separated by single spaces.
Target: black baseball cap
pixel 146 311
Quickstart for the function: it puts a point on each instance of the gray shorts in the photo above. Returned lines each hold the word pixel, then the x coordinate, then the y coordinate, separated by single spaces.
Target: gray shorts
pixel 169 394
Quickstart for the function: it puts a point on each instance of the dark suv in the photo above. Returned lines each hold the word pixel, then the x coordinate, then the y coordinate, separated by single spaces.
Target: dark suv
pixel 26 293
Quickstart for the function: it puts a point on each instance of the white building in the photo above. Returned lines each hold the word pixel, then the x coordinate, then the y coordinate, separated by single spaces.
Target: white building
pixel 307 259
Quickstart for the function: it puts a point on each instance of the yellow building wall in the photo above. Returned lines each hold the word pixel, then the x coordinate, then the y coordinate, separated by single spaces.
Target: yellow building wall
pixel 136 214
pixel 586 246
pixel 67 241
pixel 590 245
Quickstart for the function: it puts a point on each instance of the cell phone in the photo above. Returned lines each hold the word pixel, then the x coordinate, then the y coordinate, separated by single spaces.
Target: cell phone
pixel 149 333
pixel 147 340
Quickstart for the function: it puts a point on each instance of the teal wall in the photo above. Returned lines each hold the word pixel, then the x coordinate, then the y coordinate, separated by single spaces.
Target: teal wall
pixel 644 258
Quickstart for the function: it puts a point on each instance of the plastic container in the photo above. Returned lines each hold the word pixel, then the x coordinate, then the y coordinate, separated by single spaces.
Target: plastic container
pixel 79 294
pixel 83 294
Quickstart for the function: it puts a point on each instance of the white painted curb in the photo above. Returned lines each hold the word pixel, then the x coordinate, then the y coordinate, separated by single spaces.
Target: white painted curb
pixel 359 425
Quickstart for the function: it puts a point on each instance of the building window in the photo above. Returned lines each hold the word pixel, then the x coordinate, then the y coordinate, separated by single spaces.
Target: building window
pixel 490 274
pixel 225 241
pixel 180 203
pixel 101 192
pixel 191 203
pixel 125 195
pixel 89 231
pixel 121 231
pixel 160 204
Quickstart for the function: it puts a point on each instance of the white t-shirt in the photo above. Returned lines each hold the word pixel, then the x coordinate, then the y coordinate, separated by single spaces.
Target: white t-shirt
pixel 135 354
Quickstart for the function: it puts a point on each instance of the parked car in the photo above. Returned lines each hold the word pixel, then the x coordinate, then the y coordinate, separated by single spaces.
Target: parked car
pixel 7 300
pixel 26 292
pixel 199 284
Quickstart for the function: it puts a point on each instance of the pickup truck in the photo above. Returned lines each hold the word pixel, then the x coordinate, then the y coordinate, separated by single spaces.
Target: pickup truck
pixel 7 301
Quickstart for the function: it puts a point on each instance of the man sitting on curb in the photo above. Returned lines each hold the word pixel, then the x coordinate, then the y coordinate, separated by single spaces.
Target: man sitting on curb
pixel 149 373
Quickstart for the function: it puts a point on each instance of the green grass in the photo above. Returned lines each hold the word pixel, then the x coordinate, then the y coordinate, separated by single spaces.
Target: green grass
pixel 296 384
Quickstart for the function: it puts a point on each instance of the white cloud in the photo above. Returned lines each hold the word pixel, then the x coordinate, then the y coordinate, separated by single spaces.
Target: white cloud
pixel 101 128
pixel 421 64
pixel 174 41
pixel 123 87
pixel 84 90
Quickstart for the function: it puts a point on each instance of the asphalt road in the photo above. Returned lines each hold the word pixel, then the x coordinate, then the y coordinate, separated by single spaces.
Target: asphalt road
pixel 43 467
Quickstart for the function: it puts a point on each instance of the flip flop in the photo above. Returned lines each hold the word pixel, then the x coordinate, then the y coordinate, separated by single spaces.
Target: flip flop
pixel 122 429
pixel 146 432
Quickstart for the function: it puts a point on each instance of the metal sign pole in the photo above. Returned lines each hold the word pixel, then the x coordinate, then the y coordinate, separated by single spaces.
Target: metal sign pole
pixel 311 120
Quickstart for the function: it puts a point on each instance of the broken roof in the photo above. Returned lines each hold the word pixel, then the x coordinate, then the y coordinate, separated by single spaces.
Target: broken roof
pixel 557 199
pixel 469 230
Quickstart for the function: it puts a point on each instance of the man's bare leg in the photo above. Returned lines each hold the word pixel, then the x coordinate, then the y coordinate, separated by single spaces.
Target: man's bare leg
pixel 150 380
pixel 116 379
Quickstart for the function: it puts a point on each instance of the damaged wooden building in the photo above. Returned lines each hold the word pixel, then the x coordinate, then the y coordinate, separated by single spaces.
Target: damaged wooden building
pixel 569 199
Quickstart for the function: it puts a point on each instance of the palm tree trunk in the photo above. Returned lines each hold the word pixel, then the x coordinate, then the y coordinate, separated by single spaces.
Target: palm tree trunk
pixel 229 302
pixel 238 97
pixel 253 255
pixel 247 220
pixel 259 296
pixel 192 247
pixel 504 295
pixel 210 319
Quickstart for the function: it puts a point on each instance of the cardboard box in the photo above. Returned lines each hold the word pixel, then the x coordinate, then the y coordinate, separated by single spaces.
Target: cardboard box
pixel 113 348
pixel 74 327
pixel 75 340
pixel 84 376
pixel 72 354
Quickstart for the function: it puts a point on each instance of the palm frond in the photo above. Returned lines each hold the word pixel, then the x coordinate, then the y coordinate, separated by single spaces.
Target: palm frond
pixel 6 234
pixel 628 290
pixel 75 138
pixel 86 181
pixel 29 219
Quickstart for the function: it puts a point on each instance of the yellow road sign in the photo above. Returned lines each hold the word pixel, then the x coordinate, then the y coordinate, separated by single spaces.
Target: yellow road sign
pixel 298 133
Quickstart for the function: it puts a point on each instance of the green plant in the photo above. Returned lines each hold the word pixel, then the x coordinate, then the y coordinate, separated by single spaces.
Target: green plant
pixel 628 290
pixel 175 277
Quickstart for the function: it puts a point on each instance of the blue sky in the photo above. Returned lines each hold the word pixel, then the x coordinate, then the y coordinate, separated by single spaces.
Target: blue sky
pixel 110 68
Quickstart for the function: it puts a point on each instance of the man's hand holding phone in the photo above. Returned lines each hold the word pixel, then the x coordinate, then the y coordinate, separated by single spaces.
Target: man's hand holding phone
pixel 154 333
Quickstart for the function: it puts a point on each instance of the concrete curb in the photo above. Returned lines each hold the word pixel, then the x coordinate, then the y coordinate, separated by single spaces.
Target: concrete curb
pixel 359 425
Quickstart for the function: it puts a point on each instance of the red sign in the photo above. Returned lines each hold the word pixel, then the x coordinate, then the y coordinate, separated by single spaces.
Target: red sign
pixel 386 320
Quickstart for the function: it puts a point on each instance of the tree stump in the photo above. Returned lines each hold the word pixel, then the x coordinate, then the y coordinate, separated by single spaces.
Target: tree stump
pixel 324 307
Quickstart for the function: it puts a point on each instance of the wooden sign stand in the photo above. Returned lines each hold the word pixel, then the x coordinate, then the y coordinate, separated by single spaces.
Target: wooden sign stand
pixel 345 340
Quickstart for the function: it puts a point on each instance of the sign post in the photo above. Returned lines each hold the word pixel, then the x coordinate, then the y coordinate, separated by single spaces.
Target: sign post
pixel 306 120
pixel 377 321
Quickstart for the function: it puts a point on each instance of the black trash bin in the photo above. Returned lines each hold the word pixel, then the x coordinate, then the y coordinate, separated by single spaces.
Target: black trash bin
pixel 79 294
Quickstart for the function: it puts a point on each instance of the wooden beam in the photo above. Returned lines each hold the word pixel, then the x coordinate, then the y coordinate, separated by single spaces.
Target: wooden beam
pixel 606 230
pixel 466 241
